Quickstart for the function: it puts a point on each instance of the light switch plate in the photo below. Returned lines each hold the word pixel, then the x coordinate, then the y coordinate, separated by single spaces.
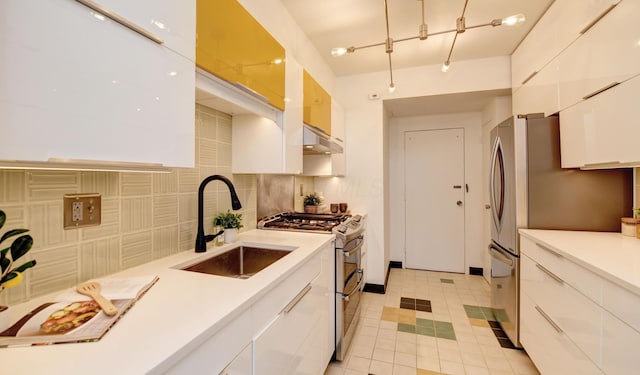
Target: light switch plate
pixel 82 210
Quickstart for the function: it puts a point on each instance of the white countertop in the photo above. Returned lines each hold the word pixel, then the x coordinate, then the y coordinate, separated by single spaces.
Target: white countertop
pixel 610 255
pixel 176 315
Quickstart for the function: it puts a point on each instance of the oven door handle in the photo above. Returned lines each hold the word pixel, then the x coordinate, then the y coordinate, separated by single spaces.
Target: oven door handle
pixel 360 272
pixel 348 253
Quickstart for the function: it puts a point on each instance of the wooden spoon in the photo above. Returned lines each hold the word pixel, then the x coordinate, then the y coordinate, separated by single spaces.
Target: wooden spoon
pixel 92 289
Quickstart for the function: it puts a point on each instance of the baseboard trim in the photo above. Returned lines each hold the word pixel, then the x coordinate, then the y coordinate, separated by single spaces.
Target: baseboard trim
pixel 478 271
pixel 373 288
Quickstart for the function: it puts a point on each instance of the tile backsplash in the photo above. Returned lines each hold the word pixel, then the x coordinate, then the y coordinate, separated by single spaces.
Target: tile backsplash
pixel 145 216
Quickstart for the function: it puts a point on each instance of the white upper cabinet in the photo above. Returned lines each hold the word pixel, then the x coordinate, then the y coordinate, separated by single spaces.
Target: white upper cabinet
pixel 540 93
pixel 271 144
pixel 603 130
pixel 330 164
pixel 606 54
pixel 558 28
pixel 76 85
pixel 172 21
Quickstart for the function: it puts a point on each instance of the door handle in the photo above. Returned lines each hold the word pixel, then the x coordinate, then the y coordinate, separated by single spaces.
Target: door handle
pixel 459 203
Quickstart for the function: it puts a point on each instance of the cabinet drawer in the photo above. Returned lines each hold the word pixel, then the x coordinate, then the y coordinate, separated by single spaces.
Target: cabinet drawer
pixel 622 304
pixel 272 304
pixel 551 350
pixel 579 278
pixel 620 345
pixel 578 317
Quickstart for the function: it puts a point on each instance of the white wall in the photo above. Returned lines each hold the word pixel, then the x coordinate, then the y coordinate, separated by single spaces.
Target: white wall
pixel 498 110
pixel 471 122
pixel 364 184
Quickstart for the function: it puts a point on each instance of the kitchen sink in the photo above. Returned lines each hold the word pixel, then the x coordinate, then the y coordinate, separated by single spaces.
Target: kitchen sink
pixel 240 262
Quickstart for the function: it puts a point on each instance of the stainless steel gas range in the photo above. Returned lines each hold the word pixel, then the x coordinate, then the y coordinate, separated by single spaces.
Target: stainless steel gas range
pixel 349 232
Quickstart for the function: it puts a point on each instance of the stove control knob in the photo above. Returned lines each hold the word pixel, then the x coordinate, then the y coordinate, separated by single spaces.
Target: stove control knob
pixel 342 228
pixel 357 218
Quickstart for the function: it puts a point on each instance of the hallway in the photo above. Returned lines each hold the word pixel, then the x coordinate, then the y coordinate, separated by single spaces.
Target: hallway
pixel 431 323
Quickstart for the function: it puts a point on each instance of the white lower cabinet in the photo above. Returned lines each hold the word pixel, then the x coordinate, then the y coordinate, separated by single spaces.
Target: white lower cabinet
pixel 286 331
pixel 242 364
pixel 573 320
pixel 550 349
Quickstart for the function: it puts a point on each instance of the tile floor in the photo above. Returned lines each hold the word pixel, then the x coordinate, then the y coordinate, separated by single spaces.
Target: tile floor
pixel 431 323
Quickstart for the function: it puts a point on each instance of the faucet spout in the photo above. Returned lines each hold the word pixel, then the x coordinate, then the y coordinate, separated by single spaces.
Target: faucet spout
pixel 201 239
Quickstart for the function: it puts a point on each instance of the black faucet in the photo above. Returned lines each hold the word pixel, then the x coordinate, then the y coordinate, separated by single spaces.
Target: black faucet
pixel 201 239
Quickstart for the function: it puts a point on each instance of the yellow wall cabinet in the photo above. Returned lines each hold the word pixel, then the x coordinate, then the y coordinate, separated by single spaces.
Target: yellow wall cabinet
pixel 317 104
pixel 232 45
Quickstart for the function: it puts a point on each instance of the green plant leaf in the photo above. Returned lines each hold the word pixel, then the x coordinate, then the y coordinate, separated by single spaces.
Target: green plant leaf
pixel 4 263
pixel 3 218
pixel 9 276
pixel 25 266
pixel 21 246
pixel 11 233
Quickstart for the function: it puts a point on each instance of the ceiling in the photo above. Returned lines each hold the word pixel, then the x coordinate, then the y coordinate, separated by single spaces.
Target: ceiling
pixel 345 23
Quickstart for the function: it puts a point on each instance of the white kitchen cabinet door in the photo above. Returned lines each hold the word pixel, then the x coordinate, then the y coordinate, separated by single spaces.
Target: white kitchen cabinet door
pixel 606 54
pixel 171 20
pixel 550 349
pixel 242 364
pixel 271 145
pixel 620 345
pixel 603 129
pixel 557 28
pixel 77 86
pixel 276 348
pixel 539 94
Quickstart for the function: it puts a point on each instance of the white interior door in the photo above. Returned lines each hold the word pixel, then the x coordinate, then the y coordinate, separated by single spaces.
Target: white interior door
pixel 434 200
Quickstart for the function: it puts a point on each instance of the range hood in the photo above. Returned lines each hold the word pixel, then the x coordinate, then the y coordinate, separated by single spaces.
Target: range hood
pixel 316 142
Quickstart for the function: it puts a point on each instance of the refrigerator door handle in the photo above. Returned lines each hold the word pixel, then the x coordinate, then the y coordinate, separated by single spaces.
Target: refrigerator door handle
pixel 497 203
pixel 499 255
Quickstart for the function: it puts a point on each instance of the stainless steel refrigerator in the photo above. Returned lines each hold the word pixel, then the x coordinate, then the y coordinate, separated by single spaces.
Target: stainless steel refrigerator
pixel 528 189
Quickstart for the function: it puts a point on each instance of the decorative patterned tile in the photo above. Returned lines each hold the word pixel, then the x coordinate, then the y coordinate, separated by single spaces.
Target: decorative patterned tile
pixel 165 183
pixel 187 207
pixel 99 258
pixel 46 224
pixel 187 235
pixel 137 249
pixel 135 184
pixel 110 222
pixel 105 183
pixel 136 214
pixel 165 241
pixel 57 269
pixel 224 127
pixel 12 186
pixel 188 180
pixel 207 152
pixel 51 185
pixel 16 217
pixel 223 154
pixel 165 210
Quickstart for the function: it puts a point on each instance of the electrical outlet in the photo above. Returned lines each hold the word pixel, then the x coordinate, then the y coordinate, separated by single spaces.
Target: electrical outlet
pixel 82 210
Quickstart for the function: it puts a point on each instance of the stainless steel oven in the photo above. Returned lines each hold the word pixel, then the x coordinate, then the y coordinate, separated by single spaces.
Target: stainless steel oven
pixel 349 232
pixel 349 281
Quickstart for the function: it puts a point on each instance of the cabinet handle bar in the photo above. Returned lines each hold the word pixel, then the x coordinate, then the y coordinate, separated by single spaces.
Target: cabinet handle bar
pixel 549 250
pixel 529 77
pixel 121 20
pixel 297 299
pixel 548 319
pixel 597 19
pixel 600 90
pixel 550 274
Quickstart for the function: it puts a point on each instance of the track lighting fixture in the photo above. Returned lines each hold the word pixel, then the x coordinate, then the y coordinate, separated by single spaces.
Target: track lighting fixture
pixel 424 34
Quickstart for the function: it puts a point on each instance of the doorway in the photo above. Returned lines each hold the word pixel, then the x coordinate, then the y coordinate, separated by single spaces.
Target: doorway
pixel 434 199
